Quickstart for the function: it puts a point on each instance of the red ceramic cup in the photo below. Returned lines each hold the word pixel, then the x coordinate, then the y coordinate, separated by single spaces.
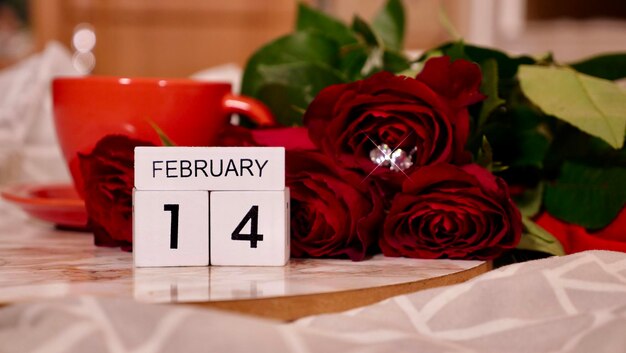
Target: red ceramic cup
pixel 190 113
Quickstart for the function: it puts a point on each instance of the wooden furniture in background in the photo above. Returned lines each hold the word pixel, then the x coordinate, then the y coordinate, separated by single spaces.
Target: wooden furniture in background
pixel 164 38
pixel 178 38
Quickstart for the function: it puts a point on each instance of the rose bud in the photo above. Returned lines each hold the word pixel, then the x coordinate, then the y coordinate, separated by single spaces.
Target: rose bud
pixel 108 176
pixel 334 212
pixel 397 122
pixel 445 211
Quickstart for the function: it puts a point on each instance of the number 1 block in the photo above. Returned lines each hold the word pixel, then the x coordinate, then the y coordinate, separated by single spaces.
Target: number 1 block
pixel 249 228
pixel 170 228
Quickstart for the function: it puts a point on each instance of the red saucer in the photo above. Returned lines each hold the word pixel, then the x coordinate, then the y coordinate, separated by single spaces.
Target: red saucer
pixel 54 203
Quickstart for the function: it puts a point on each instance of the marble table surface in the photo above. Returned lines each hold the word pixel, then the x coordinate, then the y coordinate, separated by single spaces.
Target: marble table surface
pixel 38 261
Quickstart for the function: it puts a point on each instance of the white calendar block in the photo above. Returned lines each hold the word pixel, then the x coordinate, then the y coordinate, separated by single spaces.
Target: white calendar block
pixel 250 228
pixel 210 168
pixel 170 228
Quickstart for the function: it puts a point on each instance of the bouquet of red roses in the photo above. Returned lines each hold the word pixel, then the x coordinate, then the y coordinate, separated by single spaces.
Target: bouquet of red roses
pixel 464 152
pixel 389 170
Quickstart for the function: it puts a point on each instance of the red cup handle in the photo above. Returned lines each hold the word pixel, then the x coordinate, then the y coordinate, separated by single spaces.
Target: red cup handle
pixel 250 107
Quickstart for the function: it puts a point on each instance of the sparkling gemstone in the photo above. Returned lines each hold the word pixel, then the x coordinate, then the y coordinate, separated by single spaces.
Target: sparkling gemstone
pixel 397 160
pixel 381 155
pixel 400 160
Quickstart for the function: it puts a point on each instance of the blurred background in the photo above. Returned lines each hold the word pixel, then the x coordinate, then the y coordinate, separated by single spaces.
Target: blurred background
pixel 178 38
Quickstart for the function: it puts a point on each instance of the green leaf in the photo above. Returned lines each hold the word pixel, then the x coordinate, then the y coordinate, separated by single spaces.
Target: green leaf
pixel 535 238
pixel 489 87
pixel 285 101
pixel 352 53
pixel 293 86
pixel 389 24
pixel 595 106
pixel 532 147
pixel 507 65
pixel 165 140
pixel 588 196
pixel 513 143
pixel 601 154
pixel 352 59
pixel 378 58
pixel 529 203
pixel 311 75
pixel 609 66
pixel 366 32
pixel 296 47
pixel 456 51
pixel 395 62
pixel 485 155
pixel 372 47
pixel 312 20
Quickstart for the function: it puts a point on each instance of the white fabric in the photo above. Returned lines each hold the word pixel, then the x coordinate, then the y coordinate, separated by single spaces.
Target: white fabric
pixel 28 145
pixel 575 303
pixel 230 73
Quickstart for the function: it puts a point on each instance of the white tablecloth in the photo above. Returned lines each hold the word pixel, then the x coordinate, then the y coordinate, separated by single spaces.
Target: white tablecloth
pixel 575 303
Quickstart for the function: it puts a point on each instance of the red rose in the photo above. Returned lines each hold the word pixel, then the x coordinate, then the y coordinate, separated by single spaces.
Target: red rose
pixel 235 136
pixel 292 138
pixel 333 212
pixel 108 176
pixel 425 116
pixel 445 211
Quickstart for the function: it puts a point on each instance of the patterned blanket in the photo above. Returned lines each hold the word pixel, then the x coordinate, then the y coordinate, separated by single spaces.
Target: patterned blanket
pixel 575 303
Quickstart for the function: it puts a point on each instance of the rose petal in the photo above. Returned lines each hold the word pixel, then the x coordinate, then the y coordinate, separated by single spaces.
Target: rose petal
pixel 108 181
pixel 342 212
pixel 445 211
pixel 458 80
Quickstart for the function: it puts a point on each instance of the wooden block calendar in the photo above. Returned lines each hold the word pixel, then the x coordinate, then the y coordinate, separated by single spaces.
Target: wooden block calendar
pixel 201 206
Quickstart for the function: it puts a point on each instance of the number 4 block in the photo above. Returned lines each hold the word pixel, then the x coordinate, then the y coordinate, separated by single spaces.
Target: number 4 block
pixel 249 228
pixel 170 228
